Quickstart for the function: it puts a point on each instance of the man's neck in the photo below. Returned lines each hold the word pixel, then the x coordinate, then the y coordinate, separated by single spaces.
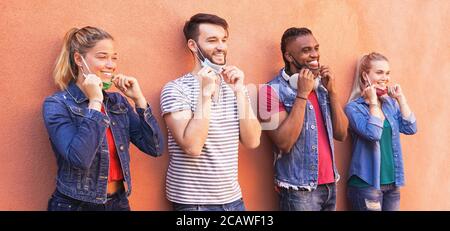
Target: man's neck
pixel 197 68
pixel 288 71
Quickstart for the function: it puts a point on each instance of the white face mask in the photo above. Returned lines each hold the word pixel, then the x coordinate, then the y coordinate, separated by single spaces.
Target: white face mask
pixel 205 62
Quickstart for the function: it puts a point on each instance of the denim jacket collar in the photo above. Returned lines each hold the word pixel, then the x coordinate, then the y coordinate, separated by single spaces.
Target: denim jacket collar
pixel 78 96
pixel 76 93
pixel 361 100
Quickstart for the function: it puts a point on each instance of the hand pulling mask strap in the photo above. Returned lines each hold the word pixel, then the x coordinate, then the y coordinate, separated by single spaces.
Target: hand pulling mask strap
pixel 293 79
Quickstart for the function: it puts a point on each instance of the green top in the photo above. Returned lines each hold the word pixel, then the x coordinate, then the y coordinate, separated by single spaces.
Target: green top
pixel 387 174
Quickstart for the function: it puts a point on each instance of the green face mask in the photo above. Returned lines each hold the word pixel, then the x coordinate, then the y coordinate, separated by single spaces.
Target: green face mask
pixel 107 85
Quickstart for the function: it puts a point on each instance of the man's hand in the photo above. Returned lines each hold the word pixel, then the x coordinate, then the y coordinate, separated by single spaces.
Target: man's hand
pixel 234 77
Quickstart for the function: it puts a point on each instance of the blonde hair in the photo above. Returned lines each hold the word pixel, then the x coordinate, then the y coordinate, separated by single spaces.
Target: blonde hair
pixel 75 40
pixel 364 65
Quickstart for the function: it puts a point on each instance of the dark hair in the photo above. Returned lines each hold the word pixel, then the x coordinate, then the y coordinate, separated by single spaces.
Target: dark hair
pixel 289 35
pixel 190 29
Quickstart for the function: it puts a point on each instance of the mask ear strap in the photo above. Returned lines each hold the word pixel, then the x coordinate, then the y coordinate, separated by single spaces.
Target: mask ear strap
pixel 85 64
pixel 367 79
pixel 297 64
pixel 199 51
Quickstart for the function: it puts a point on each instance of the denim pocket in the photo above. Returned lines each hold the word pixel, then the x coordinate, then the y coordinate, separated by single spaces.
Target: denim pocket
pixel 123 203
pixel 237 205
pixel 60 202
pixel 119 115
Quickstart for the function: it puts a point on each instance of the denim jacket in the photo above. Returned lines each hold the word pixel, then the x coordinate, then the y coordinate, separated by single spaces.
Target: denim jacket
pixel 78 138
pixel 366 133
pixel 299 167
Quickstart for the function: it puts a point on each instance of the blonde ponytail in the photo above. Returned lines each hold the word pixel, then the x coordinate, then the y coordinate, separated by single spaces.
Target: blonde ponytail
pixel 63 71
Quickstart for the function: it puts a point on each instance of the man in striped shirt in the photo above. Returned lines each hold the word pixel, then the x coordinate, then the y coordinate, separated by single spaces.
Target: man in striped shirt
pixel 207 112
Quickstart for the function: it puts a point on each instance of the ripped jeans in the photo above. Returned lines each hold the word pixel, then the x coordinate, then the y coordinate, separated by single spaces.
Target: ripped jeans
pixel 372 199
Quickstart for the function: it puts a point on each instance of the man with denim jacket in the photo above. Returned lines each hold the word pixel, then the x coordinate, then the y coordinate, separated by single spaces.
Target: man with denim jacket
pixel 302 105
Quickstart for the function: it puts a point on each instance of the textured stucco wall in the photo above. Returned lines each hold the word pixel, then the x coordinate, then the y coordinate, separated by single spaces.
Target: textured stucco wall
pixel 414 35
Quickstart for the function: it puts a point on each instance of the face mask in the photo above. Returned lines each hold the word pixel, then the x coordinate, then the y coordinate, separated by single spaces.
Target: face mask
pixel 380 92
pixel 205 62
pixel 293 79
pixel 106 85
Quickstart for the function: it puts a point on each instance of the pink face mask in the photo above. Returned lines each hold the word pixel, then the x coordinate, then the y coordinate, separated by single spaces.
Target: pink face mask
pixel 381 92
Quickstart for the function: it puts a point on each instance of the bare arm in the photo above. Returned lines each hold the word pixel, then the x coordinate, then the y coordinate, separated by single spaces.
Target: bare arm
pixel 249 127
pixel 289 126
pixel 190 130
pixel 338 118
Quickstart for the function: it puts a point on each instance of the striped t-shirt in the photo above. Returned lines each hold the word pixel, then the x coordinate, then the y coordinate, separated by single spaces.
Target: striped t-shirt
pixel 212 177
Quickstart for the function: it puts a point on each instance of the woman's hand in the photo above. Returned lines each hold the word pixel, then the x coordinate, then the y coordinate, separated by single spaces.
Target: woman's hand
pixel 129 86
pixel 92 88
pixel 395 91
pixel 370 94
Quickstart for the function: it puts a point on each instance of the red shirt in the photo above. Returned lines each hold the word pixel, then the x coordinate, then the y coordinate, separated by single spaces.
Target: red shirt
pixel 326 173
pixel 268 108
pixel 115 170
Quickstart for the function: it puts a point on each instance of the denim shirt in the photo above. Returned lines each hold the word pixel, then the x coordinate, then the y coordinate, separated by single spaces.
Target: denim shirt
pixel 78 138
pixel 299 167
pixel 366 133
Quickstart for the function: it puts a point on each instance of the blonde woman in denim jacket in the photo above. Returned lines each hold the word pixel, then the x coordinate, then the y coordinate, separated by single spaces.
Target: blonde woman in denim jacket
pixel 377 112
pixel 90 129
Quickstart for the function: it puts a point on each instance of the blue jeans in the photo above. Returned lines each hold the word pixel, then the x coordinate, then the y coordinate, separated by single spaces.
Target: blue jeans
pixel 115 202
pixel 237 205
pixel 323 198
pixel 372 199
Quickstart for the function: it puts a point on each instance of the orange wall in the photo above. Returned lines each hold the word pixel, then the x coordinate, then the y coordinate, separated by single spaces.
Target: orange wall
pixel 414 35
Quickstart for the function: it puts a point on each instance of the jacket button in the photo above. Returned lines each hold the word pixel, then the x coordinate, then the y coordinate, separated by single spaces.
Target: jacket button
pixel 121 147
pixel 313 126
pixel 113 123
pixel 310 107
pixel 313 147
